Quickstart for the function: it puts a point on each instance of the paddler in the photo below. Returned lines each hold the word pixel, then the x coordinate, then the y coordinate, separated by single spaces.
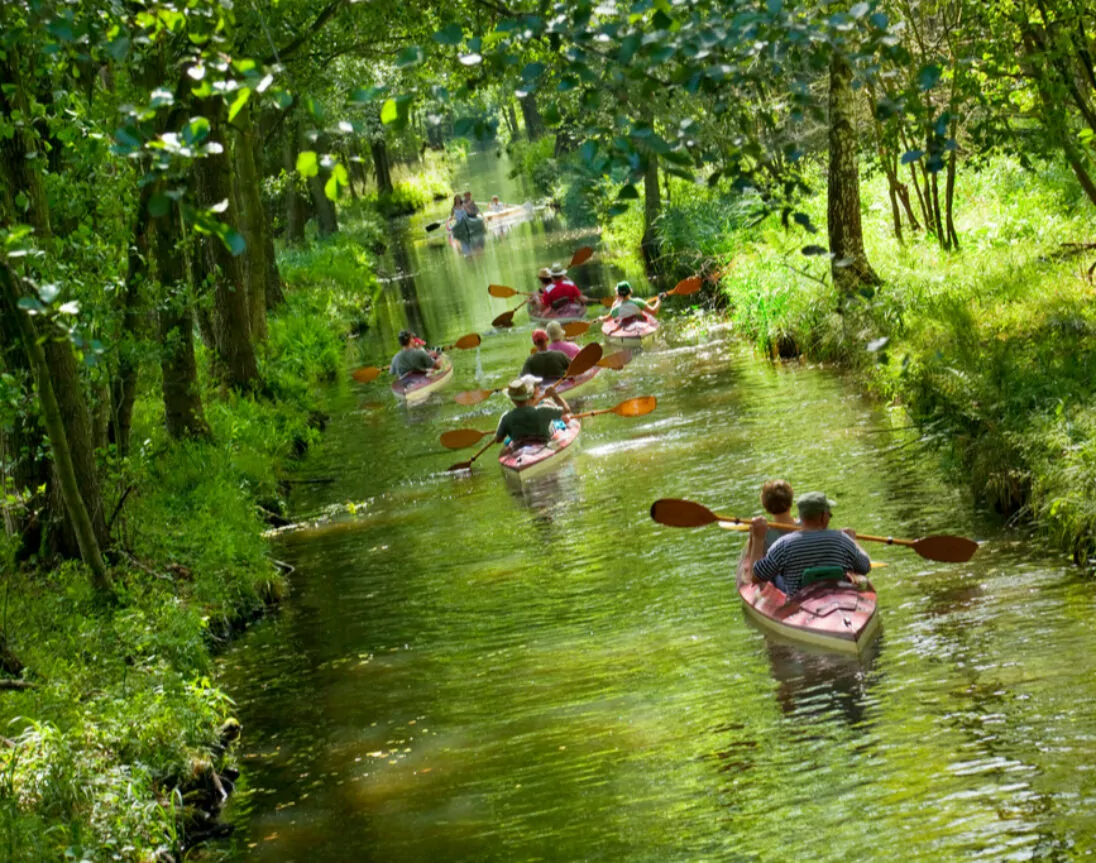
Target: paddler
pixel 412 359
pixel 562 290
pixel 627 308
pixel 814 545
pixel 544 275
pixel 470 207
pixel 777 498
pixel 558 342
pixel 529 421
pixel 543 363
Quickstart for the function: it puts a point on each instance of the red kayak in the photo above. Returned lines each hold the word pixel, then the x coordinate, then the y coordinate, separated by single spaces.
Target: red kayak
pixel 632 332
pixel 833 614
pixel 566 385
pixel 566 312
pixel 534 459
pixel 415 388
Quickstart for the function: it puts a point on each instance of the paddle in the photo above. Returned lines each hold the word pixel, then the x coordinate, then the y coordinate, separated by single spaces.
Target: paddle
pixel 685 287
pixel 575 328
pixel 584 360
pixel 467 465
pixel 503 292
pixel 616 361
pixel 637 407
pixel 685 513
pixel 462 438
pixel 506 319
pixel 368 374
pixel 581 256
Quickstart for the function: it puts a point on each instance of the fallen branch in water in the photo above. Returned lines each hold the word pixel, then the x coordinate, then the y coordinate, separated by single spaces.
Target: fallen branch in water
pixel 17 685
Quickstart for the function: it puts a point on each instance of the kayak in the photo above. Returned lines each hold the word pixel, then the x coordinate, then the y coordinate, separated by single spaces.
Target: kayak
pixel 534 459
pixel 833 614
pixel 468 227
pixel 566 385
pixel 414 388
pixel 567 312
pixel 633 333
pixel 509 212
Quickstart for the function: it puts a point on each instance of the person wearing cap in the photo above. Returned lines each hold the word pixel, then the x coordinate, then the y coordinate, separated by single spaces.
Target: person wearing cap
pixel 562 290
pixel 529 421
pixel 814 545
pixel 412 359
pixel 543 363
pixel 557 342
pixel 627 308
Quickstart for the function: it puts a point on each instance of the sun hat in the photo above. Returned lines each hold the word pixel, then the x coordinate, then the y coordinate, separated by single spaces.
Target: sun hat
pixel 813 504
pixel 555 331
pixel 623 289
pixel 557 270
pixel 522 389
pixel 540 336
pixel 544 273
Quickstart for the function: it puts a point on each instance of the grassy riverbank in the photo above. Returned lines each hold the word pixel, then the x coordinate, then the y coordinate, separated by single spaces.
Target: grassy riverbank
pixel 111 750
pixel 991 349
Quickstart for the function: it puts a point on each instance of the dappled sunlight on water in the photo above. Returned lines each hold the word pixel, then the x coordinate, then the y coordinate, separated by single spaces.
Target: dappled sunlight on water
pixel 469 669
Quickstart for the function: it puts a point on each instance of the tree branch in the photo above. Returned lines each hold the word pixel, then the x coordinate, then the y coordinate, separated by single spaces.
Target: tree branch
pixel 321 21
pixel 498 7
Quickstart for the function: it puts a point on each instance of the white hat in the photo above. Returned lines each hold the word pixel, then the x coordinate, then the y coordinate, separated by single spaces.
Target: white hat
pixel 522 389
pixel 557 270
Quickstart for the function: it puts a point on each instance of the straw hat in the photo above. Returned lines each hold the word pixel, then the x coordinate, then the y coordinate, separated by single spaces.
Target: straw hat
pixel 544 273
pixel 557 270
pixel 522 389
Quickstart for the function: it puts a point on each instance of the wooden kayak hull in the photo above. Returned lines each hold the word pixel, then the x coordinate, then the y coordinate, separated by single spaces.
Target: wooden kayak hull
pixel 568 312
pixel 634 334
pixel 417 388
pixel 835 615
pixel 534 460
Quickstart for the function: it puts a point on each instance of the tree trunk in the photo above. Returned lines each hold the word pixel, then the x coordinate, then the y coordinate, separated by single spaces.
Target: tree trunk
pixel 294 209
pixel 252 221
pixel 534 125
pixel 850 266
pixel 232 313
pixel 327 219
pixel 76 494
pixel 652 209
pixel 380 166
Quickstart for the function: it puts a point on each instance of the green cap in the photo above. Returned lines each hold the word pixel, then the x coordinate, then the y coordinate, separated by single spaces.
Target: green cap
pixel 813 504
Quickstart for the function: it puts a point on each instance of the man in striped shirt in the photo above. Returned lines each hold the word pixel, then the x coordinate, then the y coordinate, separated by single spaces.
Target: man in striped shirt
pixel 814 545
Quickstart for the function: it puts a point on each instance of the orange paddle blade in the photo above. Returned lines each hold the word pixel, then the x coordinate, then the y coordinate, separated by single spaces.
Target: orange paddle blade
pixel 461 438
pixel 501 291
pixel 946 548
pixel 506 319
pixel 607 302
pixel 581 256
pixel 473 397
pixel 366 375
pixel 575 328
pixel 636 407
pixel 584 360
pixel 472 340
pixel 674 512
pixel 616 361
pixel 685 287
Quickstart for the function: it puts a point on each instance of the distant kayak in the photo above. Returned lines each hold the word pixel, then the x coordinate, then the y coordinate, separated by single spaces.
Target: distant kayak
pixel 509 212
pixel 567 312
pixel 536 459
pixel 415 388
pixel 468 227
pixel 833 614
pixel 631 333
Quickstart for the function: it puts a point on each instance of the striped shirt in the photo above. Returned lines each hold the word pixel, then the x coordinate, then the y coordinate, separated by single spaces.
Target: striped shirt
pixel 792 554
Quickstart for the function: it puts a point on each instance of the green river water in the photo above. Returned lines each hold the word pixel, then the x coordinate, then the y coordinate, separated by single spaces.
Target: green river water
pixel 470 671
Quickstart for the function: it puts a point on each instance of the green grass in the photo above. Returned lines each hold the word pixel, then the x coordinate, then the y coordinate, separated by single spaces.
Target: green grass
pixel 102 758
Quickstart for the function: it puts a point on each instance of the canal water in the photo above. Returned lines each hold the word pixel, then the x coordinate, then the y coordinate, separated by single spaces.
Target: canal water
pixel 467 670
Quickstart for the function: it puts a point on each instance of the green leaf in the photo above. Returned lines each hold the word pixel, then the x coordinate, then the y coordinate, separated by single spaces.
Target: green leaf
pixel 389 111
pixel 234 241
pixel 159 205
pixel 366 94
pixel 859 10
pixel 48 292
pixel 628 193
pixel 928 76
pixel 307 164
pixel 912 156
pixel 31 305
pixel 196 131
pixel 238 103
pixel 412 55
pixel 532 71
pixel 450 34
pixel 618 210
pixel 464 126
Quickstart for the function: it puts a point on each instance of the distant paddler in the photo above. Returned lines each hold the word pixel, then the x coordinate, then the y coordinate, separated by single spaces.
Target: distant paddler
pixel 412 359
pixel 561 290
pixel 557 340
pixel 627 308
pixel 545 363
pixel 529 421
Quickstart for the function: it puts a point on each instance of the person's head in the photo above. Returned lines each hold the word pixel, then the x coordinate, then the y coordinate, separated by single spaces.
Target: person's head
pixel 557 272
pixel 405 337
pixel 457 201
pixel 468 196
pixel 555 331
pixel 545 276
pixel 776 496
pixel 815 509
pixel 624 290
pixel 495 199
pixel 540 339
pixel 523 390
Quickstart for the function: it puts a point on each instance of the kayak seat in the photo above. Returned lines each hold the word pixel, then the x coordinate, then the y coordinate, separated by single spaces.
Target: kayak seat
pixel 821 573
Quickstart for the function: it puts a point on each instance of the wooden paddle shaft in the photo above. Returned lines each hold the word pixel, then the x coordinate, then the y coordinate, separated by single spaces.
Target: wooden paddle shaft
pixel 888 540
